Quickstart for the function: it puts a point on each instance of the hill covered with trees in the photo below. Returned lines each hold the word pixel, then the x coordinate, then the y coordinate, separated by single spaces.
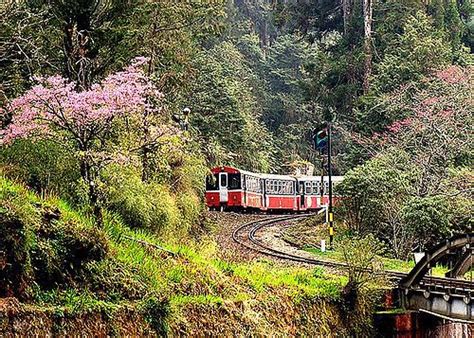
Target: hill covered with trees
pixel 90 94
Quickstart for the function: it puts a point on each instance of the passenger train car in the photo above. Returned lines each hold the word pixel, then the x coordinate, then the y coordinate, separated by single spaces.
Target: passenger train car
pixel 231 188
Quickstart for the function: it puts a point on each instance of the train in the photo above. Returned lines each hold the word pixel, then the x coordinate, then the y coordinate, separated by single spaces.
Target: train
pixel 231 188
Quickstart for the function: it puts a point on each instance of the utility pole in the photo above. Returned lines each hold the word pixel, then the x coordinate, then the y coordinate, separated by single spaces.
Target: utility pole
pixel 331 215
pixel 322 142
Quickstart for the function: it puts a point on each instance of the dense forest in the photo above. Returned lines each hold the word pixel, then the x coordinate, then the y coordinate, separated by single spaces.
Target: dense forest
pixel 93 92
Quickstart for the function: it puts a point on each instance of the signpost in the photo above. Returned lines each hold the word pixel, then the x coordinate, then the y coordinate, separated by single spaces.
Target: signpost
pixel 322 142
pixel 331 215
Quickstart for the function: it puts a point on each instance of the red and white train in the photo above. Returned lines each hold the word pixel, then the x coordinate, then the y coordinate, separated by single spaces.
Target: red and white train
pixel 231 188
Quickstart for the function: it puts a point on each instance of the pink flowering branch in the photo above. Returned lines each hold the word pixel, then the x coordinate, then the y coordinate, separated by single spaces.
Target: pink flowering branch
pixel 55 106
pixel 54 109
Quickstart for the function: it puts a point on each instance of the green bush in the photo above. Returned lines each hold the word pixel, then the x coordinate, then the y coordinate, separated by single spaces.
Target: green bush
pixel 428 218
pixel 63 250
pixel 44 166
pixel 144 205
pixel 191 209
pixel 42 244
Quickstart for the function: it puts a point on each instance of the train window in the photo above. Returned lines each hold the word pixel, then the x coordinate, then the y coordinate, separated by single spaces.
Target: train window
pixel 211 182
pixel 234 181
pixel 280 187
pixel 326 188
pixel 315 188
pixel 253 184
pixel 269 186
pixel 318 187
pixel 308 188
pixel 224 181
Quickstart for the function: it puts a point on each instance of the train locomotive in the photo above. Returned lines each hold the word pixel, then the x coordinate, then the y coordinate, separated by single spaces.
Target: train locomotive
pixel 232 188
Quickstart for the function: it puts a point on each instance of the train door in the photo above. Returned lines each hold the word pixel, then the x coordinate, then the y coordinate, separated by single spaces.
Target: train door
pixel 302 196
pixel 263 183
pixel 244 189
pixel 223 188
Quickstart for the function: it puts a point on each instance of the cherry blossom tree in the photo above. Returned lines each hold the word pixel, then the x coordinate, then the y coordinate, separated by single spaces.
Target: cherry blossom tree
pixel 421 163
pixel 438 133
pixel 54 109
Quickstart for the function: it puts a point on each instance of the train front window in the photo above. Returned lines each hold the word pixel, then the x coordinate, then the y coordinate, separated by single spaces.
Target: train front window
pixel 211 182
pixel 224 181
pixel 234 182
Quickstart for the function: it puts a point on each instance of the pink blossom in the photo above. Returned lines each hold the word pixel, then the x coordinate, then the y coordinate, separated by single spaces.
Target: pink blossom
pixel 430 101
pixel 54 105
pixel 452 75
pixel 396 126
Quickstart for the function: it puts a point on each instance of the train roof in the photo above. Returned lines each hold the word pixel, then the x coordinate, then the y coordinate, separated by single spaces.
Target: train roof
pixel 232 170
pixel 277 177
pixel 318 178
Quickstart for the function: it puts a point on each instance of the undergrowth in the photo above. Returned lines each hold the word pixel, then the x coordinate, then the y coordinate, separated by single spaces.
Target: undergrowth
pixel 67 264
pixel 391 264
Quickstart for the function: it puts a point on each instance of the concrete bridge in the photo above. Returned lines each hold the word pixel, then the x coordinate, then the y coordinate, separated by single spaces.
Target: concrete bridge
pixel 451 297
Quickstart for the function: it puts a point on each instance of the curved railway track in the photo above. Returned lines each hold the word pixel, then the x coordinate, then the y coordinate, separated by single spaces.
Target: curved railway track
pixel 245 235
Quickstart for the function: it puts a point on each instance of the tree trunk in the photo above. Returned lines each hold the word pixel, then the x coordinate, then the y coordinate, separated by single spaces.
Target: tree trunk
pixel 87 176
pixel 346 14
pixel 77 47
pixel 367 11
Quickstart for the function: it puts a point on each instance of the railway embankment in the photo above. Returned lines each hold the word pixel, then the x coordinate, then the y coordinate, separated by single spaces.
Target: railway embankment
pixel 62 274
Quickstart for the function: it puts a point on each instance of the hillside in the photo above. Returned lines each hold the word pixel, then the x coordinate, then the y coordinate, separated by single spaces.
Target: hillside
pixel 113 114
pixel 68 274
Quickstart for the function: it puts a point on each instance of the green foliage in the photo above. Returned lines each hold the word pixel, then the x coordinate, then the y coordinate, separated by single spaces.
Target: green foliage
pixel 365 279
pixel 460 202
pixel 416 51
pixel 428 218
pixel 156 311
pixel 63 249
pixel 191 209
pixel 146 205
pixel 363 258
pixel 375 191
pixel 172 41
pixel 290 68
pixel 42 244
pixel 222 92
pixel 17 240
pixel 45 166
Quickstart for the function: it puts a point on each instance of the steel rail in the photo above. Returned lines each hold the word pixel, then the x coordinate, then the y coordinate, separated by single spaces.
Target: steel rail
pixel 260 247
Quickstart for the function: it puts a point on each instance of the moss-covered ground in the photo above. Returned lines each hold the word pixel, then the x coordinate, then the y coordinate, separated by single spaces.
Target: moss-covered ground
pixel 58 259
pixel 308 236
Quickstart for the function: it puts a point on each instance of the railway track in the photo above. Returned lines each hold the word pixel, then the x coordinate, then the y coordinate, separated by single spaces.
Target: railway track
pixel 245 235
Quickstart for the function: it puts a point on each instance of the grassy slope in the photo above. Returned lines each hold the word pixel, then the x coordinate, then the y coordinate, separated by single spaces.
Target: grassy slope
pixel 308 235
pixel 161 285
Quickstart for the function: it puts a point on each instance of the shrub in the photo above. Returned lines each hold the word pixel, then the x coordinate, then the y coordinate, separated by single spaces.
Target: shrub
pixel 191 209
pixel 427 218
pixel 43 165
pixel 41 244
pixel 18 218
pixel 62 251
pixel 143 205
